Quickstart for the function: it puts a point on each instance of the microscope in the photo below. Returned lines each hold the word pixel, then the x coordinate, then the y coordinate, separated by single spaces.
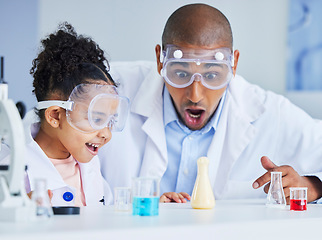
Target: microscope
pixel 14 202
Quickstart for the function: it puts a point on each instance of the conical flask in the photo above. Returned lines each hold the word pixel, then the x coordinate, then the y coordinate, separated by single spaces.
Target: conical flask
pixel 202 195
pixel 41 198
pixel 275 196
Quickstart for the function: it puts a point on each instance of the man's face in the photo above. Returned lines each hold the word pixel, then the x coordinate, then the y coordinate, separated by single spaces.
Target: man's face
pixel 195 104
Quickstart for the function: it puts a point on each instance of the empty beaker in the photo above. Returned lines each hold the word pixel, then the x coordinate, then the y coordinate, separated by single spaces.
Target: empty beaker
pixel 122 199
pixel 41 198
pixel 275 196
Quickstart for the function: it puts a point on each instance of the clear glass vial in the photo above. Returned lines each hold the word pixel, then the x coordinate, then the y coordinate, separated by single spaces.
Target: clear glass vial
pixel 41 199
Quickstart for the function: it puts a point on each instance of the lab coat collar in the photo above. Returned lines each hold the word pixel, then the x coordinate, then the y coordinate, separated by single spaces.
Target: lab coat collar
pixel 235 131
pixel 148 103
pixel 148 95
pixel 90 181
pixel 39 165
pixel 249 102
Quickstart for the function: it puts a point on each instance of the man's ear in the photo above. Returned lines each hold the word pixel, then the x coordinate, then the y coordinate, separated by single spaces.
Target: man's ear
pixel 236 57
pixel 53 116
pixel 158 54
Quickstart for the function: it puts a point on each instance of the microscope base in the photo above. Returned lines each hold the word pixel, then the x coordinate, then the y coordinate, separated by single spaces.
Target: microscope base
pixel 17 214
pixel 15 208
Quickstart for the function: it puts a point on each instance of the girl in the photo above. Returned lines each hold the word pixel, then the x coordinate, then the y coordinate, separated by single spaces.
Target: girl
pixel 78 107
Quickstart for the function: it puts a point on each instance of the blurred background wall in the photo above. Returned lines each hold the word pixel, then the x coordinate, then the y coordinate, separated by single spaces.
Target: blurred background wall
pixel 129 30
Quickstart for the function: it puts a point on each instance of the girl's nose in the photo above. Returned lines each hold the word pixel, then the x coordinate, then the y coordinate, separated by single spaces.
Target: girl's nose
pixel 105 133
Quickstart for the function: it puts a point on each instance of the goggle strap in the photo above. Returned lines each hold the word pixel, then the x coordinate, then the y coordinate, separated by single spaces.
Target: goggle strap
pixel 232 60
pixel 68 105
pixel 162 53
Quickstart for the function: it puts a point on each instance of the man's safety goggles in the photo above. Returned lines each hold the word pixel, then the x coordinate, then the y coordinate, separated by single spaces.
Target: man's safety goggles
pixel 183 66
pixel 92 107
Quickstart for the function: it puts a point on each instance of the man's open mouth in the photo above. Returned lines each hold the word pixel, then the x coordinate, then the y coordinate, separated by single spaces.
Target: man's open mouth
pixel 194 118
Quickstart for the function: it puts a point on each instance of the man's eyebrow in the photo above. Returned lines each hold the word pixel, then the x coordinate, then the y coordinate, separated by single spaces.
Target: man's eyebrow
pixel 184 64
pixel 206 65
pixel 209 65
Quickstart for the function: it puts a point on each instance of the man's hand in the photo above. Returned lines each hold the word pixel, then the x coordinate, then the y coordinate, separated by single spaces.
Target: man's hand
pixel 290 178
pixel 174 197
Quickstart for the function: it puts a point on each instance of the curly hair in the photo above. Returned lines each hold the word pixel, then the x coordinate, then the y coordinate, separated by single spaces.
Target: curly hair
pixel 66 60
pixel 56 70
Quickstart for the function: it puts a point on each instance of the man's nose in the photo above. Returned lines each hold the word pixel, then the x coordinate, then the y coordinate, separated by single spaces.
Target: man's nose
pixel 195 90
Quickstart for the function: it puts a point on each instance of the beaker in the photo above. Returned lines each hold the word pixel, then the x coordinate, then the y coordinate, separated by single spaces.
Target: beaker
pixel 146 195
pixel 275 196
pixel 41 198
pixel 122 199
pixel 298 198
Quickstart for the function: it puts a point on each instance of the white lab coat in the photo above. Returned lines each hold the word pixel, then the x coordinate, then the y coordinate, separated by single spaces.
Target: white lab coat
pixel 39 166
pixel 253 123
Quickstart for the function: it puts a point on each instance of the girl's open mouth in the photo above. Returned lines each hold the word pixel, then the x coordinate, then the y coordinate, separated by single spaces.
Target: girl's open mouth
pixel 92 147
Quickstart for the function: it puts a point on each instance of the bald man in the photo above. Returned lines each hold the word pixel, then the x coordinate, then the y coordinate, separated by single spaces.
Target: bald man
pixel 195 105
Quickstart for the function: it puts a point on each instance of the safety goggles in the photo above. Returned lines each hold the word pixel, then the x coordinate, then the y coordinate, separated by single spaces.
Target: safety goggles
pixel 92 107
pixel 183 66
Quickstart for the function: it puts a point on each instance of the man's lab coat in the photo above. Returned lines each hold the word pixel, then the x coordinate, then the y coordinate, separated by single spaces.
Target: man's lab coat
pixel 253 123
pixel 40 167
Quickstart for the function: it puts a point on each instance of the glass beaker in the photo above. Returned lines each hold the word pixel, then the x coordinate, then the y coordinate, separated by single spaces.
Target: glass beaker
pixel 298 198
pixel 122 199
pixel 146 195
pixel 41 198
pixel 275 196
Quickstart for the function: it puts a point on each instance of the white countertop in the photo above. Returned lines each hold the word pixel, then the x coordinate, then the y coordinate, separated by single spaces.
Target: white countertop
pixel 233 219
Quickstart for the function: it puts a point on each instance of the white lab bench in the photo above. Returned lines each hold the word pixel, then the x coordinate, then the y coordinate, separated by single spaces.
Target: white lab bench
pixel 233 219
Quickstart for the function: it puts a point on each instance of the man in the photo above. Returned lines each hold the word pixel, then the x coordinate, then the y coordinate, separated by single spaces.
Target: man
pixel 200 107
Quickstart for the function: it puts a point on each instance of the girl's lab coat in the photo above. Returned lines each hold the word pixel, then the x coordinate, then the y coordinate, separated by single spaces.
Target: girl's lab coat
pixel 40 167
pixel 253 123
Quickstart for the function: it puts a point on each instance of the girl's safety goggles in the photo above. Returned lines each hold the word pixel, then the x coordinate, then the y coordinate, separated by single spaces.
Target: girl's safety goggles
pixel 183 66
pixel 92 107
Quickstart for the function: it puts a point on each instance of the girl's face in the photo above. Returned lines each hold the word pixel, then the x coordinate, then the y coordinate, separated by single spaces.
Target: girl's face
pixel 59 139
pixel 82 146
